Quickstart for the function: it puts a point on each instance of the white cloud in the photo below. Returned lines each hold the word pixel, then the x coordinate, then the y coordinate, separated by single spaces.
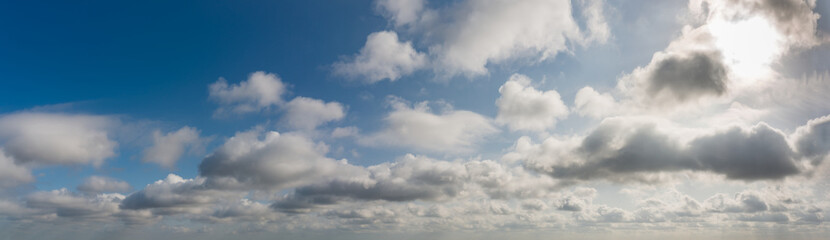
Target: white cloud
pixel 452 131
pixel 383 57
pixel 100 184
pixel 401 12
pixel 588 102
pixel 168 148
pixel 49 139
pixel 522 107
pixel 341 132
pixel 261 91
pixel 308 113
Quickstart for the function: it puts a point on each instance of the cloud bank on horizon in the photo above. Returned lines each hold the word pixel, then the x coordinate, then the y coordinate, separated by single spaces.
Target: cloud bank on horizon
pixel 722 128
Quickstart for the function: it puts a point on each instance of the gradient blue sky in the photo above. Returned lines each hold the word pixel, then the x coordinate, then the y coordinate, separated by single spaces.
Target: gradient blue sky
pixel 414 118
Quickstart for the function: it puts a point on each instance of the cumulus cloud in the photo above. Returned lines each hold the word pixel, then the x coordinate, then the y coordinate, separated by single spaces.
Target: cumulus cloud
pixel 813 139
pixel 589 102
pixel 49 139
pixel 466 37
pixel 422 178
pixel 176 195
pixel 168 148
pixel 308 113
pixel 451 131
pixel 274 162
pixel 383 57
pixel 100 184
pixel 261 91
pixel 522 107
pixel 622 150
pixel 69 205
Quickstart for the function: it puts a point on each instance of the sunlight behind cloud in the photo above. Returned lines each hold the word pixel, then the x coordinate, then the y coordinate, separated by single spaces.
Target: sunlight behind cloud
pixel 749 46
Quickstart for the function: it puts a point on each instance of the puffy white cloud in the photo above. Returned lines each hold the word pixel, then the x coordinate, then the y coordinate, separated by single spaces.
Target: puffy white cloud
pixel 383 57
pixel 491 32
pixel 464 38
pixel 522 107
pixel 168 148
pixel 588 102
pixel 261 91
pixel 100 184
pixel 308 113
pixel 277 161
pixel 452 131
pixel 48 139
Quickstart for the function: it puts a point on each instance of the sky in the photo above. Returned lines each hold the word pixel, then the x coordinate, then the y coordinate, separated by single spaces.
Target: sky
pixel 415 119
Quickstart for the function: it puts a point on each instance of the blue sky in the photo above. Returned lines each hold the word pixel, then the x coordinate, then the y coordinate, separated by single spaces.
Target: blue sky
pixel 414 118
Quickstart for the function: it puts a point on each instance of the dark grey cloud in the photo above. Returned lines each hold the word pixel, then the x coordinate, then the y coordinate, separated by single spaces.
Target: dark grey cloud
pixel 411 178
pixel 621 151
pixel 760 153
pixel 686 77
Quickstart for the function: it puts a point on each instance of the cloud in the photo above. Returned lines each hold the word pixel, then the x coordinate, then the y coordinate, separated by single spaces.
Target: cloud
pixel 261 91
pixel 11 174
pixel 481 33
pixel 383 57
pixel 464 38
pixel 275 162
pixel 401 12
pixel 452 131
pixel 522 107
pixel 56 139
pixel 168 148
pixel 342 132
pixel 687 77
pixel 589 102
pixel 68 205
pixel 813 139
pixel 412 178
pixel 794 19
pixel 100 184
pixel 308 113
pixel 624 150
pixel 176 195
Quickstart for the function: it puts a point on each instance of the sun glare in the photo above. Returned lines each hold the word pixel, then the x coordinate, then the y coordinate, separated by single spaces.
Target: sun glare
pixel 749 46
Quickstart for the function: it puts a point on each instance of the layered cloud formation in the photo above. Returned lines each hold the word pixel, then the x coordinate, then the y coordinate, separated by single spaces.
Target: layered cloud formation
pixel 711 133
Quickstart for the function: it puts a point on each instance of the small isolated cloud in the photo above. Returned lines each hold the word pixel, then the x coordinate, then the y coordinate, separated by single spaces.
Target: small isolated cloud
pixel 56 139
pixel 100 184
pixel 383 57
pixel 168 148
pixel 452 131
pixel 261 91
pixel 308 113
pixel 522 107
